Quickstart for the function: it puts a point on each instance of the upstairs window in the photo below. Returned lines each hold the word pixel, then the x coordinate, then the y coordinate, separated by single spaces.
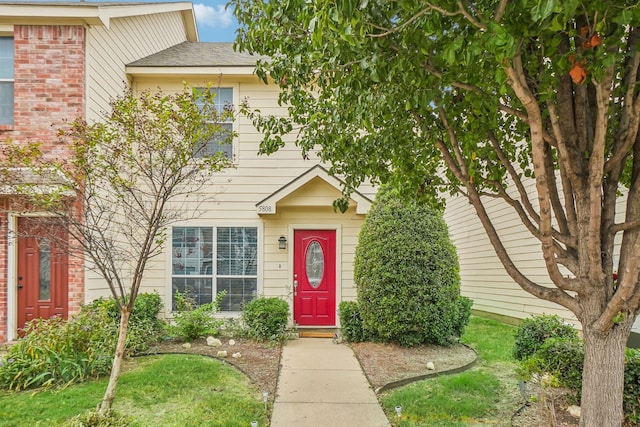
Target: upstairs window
pixel 221 142
pixel 6 80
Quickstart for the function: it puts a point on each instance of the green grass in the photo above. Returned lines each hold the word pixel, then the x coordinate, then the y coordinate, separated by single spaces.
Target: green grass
pixel 170 390
pixel 483 395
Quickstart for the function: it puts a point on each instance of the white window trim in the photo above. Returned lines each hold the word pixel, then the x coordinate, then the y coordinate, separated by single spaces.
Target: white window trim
pixel 168 300
pixel 13 80
pixel 234 123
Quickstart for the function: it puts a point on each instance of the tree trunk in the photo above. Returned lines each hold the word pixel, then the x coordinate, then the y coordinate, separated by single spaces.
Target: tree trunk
pixel 603 376
pixel 110 393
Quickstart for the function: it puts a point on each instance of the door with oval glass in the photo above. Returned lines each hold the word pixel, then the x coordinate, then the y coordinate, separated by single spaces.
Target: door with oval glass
pixel 314 277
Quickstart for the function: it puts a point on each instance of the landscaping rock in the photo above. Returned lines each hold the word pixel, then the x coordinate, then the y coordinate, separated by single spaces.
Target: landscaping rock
pixel 213 342
pixel 574 411
pixel 232 342
pixel 186 346
pixel 431 366
pixel 222 353
pixel 236 355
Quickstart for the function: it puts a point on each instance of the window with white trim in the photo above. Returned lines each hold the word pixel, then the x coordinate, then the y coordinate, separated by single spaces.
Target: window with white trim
pixel 221 142
pixel 235 270
pixel 6 80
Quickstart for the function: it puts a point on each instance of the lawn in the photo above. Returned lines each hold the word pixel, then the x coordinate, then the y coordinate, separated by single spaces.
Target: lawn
pixel 169 390
pixel 485 394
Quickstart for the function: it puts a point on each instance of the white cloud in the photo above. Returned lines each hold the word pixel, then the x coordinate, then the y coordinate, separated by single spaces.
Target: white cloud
pixel 213 16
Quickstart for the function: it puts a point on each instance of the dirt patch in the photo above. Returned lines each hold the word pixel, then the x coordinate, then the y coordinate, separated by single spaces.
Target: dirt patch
pixel 388 365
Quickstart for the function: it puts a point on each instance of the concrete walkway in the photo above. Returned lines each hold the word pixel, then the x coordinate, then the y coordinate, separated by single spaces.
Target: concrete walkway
pixel 321 383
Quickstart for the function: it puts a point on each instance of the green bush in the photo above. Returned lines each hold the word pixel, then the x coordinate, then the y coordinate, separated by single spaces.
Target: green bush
pixel 144 325
pixel 57 351
pixel 632 386
pixel 561 357
pixel 266 318
pixel 534 331
pixel 351 322
pixel 407 275
pixel 97 419
pixel 194 321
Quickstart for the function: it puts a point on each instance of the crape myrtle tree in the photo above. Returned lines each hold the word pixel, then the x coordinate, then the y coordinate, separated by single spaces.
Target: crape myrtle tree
pixel 126 179
pixel 478 97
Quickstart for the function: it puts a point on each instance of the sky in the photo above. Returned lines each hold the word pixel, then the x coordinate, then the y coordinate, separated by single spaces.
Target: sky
pixel 216 23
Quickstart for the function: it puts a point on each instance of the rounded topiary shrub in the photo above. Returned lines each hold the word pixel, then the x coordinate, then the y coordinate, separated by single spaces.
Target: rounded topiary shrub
pixel 407 275
pixel 266 318
pixel 534 331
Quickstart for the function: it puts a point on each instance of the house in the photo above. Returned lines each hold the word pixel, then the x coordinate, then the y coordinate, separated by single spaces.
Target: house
pixel 270 228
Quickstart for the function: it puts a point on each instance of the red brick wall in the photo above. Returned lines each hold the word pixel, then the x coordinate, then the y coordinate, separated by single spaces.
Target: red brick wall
pixel 49 88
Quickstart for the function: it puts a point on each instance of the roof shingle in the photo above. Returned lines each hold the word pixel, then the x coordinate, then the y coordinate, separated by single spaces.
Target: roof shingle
pixel 198 54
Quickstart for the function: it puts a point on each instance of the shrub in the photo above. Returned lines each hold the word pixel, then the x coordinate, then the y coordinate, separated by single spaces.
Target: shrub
pixel 632 386
pixel 561 357
pixel 534 331
pixel 407 274
pixel 97 419
pixel 351 322
pixel 58 351
pixel 266 318
pixel 144 325
pixel 193 321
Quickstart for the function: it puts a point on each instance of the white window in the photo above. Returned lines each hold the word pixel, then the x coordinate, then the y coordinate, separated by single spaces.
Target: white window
pixel 235 270
pixel 221 142
pixel 6 80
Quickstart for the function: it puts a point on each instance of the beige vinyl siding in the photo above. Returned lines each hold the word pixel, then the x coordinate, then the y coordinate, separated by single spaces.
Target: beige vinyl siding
pixel 237 190
pixel 483 278
pixel 108 51
pixel 126 40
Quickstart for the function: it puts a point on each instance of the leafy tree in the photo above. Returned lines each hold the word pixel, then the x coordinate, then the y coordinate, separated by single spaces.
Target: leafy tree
pixel 477 98
pixel 128 177
pixel 407 273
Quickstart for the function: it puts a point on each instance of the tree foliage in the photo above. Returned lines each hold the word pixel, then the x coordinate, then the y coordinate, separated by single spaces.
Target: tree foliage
pixel 477 98
pixel 407 273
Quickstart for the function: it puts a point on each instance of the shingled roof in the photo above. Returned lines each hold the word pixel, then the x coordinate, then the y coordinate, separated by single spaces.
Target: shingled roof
pixel 198 54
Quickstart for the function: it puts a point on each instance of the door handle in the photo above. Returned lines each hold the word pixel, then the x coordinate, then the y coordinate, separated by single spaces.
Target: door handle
pixel 295 288
pixel 19 284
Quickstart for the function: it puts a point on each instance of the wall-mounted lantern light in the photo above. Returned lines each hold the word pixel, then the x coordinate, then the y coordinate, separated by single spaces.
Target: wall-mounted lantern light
pixel 282 242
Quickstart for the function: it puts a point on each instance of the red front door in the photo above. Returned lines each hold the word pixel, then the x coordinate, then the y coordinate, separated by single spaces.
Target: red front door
pixel 43 270
pixel 314 275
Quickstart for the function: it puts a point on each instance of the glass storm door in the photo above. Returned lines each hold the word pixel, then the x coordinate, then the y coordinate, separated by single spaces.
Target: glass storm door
pixel 43 270
pixel 314 277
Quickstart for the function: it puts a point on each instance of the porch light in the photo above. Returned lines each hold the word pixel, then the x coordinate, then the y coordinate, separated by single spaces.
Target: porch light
pixel 399 412
pixel 282 242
